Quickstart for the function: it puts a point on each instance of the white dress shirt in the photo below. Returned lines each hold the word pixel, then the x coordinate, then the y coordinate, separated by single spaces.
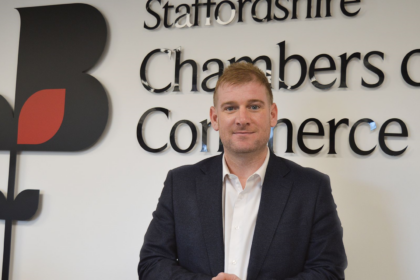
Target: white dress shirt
pixel 240 215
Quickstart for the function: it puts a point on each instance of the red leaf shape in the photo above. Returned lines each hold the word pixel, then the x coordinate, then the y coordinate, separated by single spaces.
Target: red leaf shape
pixel 41 116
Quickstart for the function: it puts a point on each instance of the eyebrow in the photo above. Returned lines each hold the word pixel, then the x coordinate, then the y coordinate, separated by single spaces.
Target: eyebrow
pixel 229 103
pixel 256 101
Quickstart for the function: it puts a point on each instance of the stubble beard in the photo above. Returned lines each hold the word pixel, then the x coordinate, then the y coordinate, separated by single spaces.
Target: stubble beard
pixel 232 147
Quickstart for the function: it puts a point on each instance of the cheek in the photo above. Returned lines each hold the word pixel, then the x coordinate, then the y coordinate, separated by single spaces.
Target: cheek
pixel 263 121
pixel 223 128
pixel 226 121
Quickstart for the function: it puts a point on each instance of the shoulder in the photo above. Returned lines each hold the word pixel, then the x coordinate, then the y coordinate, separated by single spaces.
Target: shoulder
pixel 301 170
pixel 300 175
pixel 183 180
pixel 197 169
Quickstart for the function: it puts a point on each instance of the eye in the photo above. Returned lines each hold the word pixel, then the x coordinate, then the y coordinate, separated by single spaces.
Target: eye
pixel 229 108
pixel 254 107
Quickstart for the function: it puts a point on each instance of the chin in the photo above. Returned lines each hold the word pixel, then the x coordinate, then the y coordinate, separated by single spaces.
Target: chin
pixel 243 149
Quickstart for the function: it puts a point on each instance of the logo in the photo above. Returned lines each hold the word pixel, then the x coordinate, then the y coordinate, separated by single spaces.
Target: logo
pixel 58 107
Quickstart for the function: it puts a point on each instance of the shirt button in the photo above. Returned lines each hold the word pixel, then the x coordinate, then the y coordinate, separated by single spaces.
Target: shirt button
pixel 237 227
pixel 233 262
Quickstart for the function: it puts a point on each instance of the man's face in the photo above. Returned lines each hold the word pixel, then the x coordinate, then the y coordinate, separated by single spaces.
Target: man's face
pixel 243 116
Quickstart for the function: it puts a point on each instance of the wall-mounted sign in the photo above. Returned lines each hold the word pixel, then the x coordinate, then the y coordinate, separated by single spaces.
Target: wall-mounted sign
pixel 274 10
pixel 58 106
pixel 188 16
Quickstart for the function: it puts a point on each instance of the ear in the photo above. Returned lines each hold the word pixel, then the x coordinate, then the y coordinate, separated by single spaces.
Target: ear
pixel 214 118
pixel 273 115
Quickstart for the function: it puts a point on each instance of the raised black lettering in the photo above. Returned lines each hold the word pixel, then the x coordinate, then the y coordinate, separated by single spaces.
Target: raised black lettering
pixel 383 134
pixel 140 126
pixel 343 4
pixel 143 77
pixel 241 7
pixel 333 129
pixel 196 5
pixel 166 18
pixel 284 61
pixel 352 142
pixel 301 133
pixel 313 69
pixel 193 140
pixel 232 15
pixel 289 126
pixel 318 8
pixel 404 70
pixel 254 11
pixel 285 11
pixel 308 9
pixel 153 13
pixel 344 63
pixel 218 74
pixel 187 16
pixel 374 69
pixel 178 66
pixel 208 11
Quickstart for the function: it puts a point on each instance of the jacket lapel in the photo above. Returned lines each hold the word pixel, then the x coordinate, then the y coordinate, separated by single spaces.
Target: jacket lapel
pixel 274 196
pixel 209 196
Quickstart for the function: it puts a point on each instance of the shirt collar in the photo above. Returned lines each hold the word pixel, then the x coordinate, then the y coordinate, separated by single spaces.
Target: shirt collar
pixel 260 172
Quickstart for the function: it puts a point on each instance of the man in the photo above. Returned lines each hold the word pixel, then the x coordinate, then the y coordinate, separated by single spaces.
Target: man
pixel 245 214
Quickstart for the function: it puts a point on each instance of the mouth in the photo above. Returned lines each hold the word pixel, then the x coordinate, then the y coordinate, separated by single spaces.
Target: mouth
pixel 243 132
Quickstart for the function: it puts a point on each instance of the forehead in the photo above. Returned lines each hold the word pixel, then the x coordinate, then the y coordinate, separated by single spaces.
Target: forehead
pixel 236 93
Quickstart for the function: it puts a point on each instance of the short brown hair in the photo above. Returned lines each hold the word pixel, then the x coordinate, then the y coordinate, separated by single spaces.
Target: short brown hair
pixel 241 73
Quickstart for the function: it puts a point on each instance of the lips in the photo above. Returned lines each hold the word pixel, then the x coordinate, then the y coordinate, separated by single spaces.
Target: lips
pixel 243 132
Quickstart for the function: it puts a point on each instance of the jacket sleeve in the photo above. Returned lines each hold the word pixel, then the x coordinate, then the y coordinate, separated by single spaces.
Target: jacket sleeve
pixel 326 258
pixel 158 256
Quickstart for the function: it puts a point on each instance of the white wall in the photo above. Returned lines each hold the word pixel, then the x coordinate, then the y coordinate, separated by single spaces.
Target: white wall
pixel 96 205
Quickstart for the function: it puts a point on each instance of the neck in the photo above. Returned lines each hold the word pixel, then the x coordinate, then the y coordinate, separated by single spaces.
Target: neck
pixel 245 164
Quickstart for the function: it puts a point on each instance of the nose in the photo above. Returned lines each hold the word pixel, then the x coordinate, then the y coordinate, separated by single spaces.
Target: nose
pixel 242 117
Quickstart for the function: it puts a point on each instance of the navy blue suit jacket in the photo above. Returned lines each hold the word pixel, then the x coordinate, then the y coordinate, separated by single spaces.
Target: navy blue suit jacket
pixel 298 234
